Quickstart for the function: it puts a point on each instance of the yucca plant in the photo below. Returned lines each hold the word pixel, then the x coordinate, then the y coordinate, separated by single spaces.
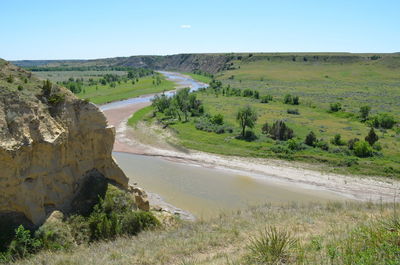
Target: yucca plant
pixel 271 246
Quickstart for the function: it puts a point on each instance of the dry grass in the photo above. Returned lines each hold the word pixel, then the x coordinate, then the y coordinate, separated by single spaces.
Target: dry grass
pixel 224 240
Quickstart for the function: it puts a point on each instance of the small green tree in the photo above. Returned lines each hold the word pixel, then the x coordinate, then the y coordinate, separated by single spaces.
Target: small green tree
pixel 311 139
pixel 337 140
pixel 364 113
pixel 246 117
pixel 371 138
pixel 362 149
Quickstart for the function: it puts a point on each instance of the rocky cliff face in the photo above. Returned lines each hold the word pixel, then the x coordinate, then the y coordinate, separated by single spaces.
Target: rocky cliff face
pixel 50 144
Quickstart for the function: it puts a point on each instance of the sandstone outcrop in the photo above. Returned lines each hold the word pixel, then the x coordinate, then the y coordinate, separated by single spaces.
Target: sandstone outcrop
pixel 50 143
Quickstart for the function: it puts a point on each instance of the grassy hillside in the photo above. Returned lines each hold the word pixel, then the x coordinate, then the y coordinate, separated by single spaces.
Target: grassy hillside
pixel 319 80
pixel 334 233
pixel 352 80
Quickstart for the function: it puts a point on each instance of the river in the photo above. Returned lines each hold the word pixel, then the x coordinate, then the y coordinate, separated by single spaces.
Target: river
pixel 204 190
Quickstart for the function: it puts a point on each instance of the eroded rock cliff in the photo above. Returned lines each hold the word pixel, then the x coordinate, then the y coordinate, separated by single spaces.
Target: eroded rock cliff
pixel 50 143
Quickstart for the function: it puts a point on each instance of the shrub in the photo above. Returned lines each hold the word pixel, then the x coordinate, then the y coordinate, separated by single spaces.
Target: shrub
pixel 46 88
pixel 335 107
pixel 364 113
pixel 337 140
pixel 218 119
pixel 292 100
pixel 383 120
pixel 352 142
pixel 23 243
pixel 362 149
pixel 288 99
pixel 134 222
pixel 272 246
pixel 248 93
pixel 293 111
pixel 20 88
pixel 322 145
pixel 256 94
pixel 311 139
pixel 266 99
pixel 55 236
pixel 207 124
pixel 56 99
pixel 371 138
pixel 294 145
pixel 278 131
pixel 296 100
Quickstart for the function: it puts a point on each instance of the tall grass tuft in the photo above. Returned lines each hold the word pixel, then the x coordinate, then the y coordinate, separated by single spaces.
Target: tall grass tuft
pixel 272 246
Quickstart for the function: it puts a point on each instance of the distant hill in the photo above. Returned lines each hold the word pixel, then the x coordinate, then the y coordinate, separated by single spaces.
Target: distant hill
pixel 211 63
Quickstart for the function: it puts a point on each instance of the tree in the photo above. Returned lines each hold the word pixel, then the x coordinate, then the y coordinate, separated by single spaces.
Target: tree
pixel 246 117
pixel 362 149
pixel 311 139
pixel 279 131
pixel 371 138
pixel 364 113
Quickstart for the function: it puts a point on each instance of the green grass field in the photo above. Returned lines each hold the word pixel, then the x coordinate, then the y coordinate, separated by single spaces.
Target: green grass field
pixel 201 78
pixel 100 94
pixel 372 82
pixel 104 93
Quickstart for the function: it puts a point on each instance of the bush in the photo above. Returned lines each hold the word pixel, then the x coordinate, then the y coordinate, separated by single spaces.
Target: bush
pixel 362 149
pixel 294 145
pixel 311 139
pixel 352 142
pixel 292 100
pixel 293 111
pixel 23 244
pixel 337 140
pixel 55 236
pixel 218 119
pixel 266 99
pixel 249 136
pixel 208 124
pixel 335 107
pixel 56 99
pixel 322 145
pixel 134 222
pixel 272 246
pixel 248 93
pixel 278 131
pixel 364 113
pixel 383 120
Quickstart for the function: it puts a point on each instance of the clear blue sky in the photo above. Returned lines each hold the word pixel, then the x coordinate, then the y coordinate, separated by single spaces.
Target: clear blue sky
pixel 58 29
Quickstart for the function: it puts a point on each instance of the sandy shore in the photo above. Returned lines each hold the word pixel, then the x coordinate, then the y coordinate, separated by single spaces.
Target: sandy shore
pixel 134 141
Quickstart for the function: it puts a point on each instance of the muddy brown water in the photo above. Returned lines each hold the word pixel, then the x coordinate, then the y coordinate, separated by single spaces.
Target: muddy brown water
pixel 205 192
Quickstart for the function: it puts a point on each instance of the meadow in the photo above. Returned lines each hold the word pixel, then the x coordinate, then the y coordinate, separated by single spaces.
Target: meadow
pixel 333 233
pixel 93 90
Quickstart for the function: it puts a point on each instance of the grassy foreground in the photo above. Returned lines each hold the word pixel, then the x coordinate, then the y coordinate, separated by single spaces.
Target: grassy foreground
pixel 334 233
